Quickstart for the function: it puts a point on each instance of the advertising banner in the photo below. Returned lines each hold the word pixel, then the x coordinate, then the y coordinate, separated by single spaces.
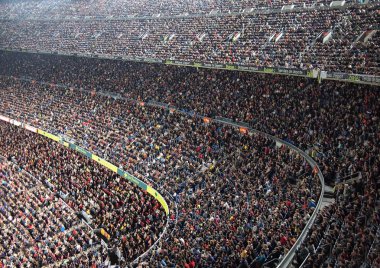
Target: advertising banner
pixel 104 163
pixel 48 135
pixel 245 68
pixel 354 78
pixel 159 198
pixel 101 161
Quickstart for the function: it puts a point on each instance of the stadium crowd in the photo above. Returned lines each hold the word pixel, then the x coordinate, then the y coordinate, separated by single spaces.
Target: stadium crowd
pixel 206 167
pixel 194 159
pixel 287 39
pixel 37 229
pixel 346 234
pixel 64 9
pixel 235 95
pixel 67 184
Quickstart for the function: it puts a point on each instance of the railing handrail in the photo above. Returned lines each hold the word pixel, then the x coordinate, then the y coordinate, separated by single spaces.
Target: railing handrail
pixel 304 261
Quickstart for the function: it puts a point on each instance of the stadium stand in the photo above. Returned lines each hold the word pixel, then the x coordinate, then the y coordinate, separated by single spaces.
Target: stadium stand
pixel 108 9
pixel 192 166
pixel 346 234
pixel 37 228
pixel 115 152
pixel 330 39
pixel 132 218
pixel 189 157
